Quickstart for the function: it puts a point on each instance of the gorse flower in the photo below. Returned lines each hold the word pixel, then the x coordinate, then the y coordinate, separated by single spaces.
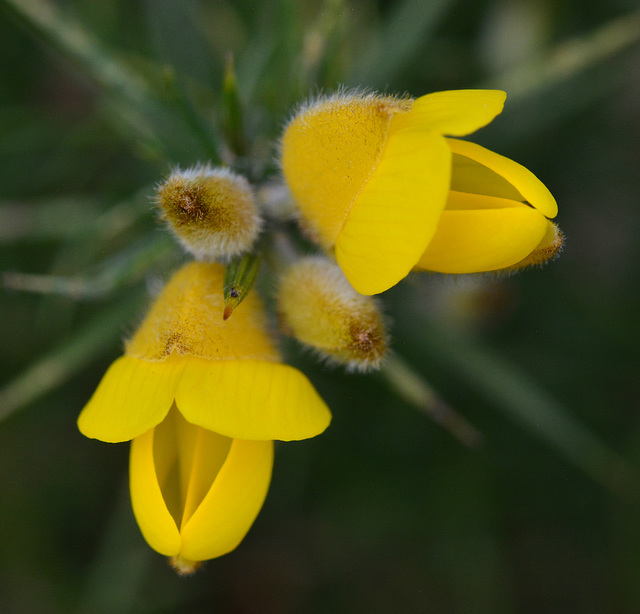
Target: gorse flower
pixel 202 399
pixel 379 184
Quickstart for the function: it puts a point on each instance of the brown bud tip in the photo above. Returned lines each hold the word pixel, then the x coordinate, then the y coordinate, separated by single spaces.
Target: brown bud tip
pixel 228 310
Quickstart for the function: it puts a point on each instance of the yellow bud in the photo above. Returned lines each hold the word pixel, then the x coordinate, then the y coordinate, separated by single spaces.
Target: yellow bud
pixel 211 211
pixel 321 309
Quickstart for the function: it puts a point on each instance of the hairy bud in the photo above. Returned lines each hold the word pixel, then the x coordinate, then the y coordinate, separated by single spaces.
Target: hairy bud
pixel 320 308
pixel 211 211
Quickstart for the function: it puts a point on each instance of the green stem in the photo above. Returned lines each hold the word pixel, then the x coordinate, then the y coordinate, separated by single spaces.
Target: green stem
pixel 123 268
pixel 416 391
pixel 59 365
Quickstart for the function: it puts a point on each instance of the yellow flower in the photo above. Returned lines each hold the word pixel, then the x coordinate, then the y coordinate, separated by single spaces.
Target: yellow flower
pixel 379 184
pixel 203 399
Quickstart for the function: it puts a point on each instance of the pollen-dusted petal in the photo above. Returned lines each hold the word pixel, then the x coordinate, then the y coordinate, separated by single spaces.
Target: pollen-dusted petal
pixel 149 507
pixel 250 399
pixel 229 508
pixel 480 233
pixel 396 214
pixel 328 151
pixel 133 397
pixel 456 112
pixel 186 319
pixel 531 189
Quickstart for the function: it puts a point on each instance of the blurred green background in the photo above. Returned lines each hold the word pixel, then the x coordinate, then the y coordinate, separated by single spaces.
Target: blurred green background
pixel 387 511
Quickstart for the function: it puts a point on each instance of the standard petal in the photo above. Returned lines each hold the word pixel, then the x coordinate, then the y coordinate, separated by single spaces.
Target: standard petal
pixel 186 320
pixel 133 396
pixel 396 214
pixel 250 399
pixel 231 505
pixel 530 188
pixel 456 112
pixel 149 507
pixel 328 151
pixel 471 239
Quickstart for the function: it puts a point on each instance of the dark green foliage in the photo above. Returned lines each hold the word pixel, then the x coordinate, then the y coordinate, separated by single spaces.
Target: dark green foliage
pixel 386 512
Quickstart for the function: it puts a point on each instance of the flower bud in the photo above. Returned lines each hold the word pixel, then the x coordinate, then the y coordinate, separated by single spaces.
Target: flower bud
pixel 211 211
pixel 321 309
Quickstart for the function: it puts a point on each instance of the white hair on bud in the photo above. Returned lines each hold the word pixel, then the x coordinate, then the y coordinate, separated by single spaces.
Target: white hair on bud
pixel 211 211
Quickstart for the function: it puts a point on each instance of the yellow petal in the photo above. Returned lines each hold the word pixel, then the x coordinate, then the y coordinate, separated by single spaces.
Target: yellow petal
pixel 133 396
pixel 471 177
pixel 248 399
pixel 154 519
pixel 396 214
pixel 168 445
pixel 207 455
pixel 471 239
pixel 186 320
pixel 548 249
pixel 328 151
pixel 530 188
pixel 456 112
pixel 187 459
pixel 231 505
